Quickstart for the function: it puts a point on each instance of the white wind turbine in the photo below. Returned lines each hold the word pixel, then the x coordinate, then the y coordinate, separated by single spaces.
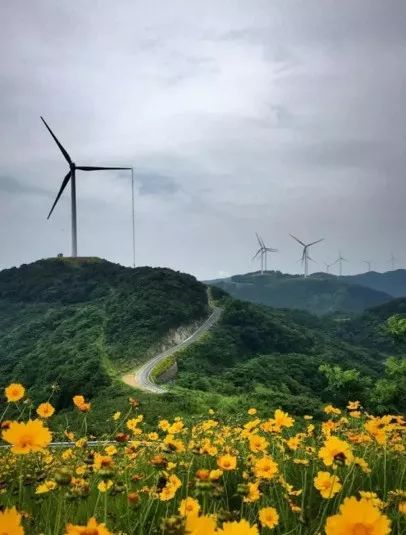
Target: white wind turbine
pixel 340 261
pixel 368 263
pixel 263 253
pixel 392 261
pixel 305 256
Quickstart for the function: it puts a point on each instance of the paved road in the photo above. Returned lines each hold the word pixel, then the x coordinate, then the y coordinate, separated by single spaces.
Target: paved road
pixel 142 379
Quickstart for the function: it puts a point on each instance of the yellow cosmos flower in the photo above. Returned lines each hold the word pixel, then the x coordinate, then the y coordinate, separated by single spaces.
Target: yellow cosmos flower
pixel 104 486
pixel 227 462
pixel 252 411
pixel 242 527
pixel 27 437
pixel 189 506
pixel 80 402
pixel 102 461
pixel 10 522
pixel 358 517
pixel 257 443
pixel 353 405
pixel 46 486
pixel 116 415
pixel 200 525
pixel 328 484
pixel 268 516
pixel 91 528
pixel 402 508
pixel 214 475
pixel 282 419
pixel 45 410
pixel 336 450
pixel 372 497
pixel 253 493
pixel 329 409
pixel 14 392
pixel 265 468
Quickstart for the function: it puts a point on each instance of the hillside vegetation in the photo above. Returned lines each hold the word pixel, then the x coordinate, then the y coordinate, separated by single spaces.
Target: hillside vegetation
pixel 70 327
pixel 71 324
pixel 390 282
pixel 319 294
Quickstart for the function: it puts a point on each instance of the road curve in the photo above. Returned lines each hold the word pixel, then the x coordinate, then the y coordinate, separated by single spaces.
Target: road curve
pixel 141 378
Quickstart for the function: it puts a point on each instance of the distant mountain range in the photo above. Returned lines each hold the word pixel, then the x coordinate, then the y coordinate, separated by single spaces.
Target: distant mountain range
pixel 320 293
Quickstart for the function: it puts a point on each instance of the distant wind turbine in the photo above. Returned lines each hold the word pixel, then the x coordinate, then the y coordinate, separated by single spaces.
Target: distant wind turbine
pixel 305 256
pixel 328 266
pixel 263 253
pixel 340 261
pixel 392 261
pixel 71 176
pixel 368 263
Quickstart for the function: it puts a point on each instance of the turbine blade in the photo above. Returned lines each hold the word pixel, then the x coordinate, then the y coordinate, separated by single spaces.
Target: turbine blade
pixel 310 258
pixel 257 253
pixel 314 242
pixel 93 168
pixel 297 239
pixel 61 148
pixel 63 186
pixel 259 239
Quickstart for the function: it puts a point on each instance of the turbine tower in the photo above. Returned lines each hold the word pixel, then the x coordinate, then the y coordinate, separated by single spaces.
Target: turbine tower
pixel 340 261
pixel 71 176
pixel 368 263
pixel 392 260
pixel 305 256
pixel 328 266
pixel 263 253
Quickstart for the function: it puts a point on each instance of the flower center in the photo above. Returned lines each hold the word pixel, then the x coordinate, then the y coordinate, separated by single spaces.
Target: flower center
pixel 362 529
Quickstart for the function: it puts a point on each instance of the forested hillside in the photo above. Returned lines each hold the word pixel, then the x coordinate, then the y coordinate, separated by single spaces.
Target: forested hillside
pixel 70 327
pixel 391 282
pixel 319 294
pixel 72 323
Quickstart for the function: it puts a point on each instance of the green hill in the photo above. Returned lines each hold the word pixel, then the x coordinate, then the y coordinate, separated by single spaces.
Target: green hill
pixel 390 282
pixel 70 327
pixel 319 294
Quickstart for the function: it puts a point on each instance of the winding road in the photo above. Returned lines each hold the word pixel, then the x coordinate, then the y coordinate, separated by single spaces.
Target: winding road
pixel 141 378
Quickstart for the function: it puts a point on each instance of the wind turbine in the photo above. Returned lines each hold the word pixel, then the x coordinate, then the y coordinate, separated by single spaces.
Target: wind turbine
pixel 71 176
pixel 305 256
pixel 340 261
pixel 368 263
pixel 328 266
pixel 263 252
pixel 392 260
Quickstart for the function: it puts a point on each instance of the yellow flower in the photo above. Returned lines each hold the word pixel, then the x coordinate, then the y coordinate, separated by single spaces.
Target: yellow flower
pixel 353 405
pixel 189 506
pixel 355 414
pixel 328 484
pixel 293 443
pixel 372 497
pixel 45 410
pixel 336 450
pixel 329 409
pixel 402 508
pixel 200 525
pixel 253 493
pixel 10 522
pixel 268 516
pixel 116 415
pixel 252 411
pixel 257 443
pixel 358 518
pixel 102 461
pixel 46 486
pixel 80 403
pixel 265 468
pixel 242 527
pixel 14 392
pixel 67 454
pixel 282 419
pixel 110 450
pixel 227 462
pixel 104 486
pixel 214 475
pixel 92 528
pixel 27 437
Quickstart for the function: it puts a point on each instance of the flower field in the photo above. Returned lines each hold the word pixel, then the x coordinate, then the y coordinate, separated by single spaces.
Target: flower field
pixel 259 473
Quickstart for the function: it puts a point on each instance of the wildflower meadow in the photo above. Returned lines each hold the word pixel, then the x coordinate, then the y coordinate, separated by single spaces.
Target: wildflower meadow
pixel 258 473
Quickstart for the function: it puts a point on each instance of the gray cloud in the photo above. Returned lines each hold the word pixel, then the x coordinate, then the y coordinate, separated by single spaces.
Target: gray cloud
pixel 276 117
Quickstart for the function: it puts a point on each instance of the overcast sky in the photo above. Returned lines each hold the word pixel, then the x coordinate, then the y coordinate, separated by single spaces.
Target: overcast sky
pixel 238 116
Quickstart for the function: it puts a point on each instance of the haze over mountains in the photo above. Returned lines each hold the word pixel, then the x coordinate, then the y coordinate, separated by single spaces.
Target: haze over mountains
pixel 320 293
